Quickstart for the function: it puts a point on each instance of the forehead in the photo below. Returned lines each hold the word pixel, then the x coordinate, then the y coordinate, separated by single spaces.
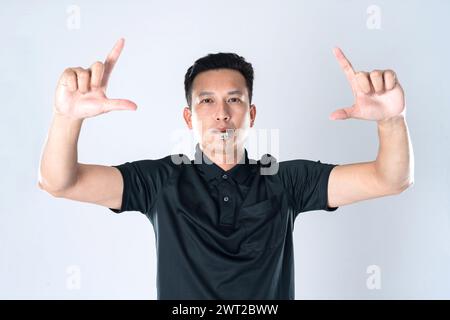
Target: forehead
pixel 218 80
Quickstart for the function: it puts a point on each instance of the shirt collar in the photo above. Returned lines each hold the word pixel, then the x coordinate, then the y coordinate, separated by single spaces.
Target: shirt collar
pixel 240 172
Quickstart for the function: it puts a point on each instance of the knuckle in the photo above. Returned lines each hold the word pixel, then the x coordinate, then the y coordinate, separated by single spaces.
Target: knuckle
pixel 361 74
pixel 71 77
pixel 97 64
pixel 376 73
pixel 389 73
pixel 84 74
pixel 68 74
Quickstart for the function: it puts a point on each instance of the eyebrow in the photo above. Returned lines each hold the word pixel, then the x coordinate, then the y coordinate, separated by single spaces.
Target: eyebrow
pixel 206 93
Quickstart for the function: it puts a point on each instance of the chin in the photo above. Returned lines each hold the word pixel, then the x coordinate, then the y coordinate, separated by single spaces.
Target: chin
pixel 218 145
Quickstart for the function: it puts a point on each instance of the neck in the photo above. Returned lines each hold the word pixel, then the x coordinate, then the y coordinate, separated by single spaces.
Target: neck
pixel 227 158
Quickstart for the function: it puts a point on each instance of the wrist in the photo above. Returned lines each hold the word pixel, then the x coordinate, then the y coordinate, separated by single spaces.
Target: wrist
pixel 60 117
pixel 392 121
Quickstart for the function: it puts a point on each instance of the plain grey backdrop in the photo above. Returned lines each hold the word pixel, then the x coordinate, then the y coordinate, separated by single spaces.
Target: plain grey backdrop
pixel 56 248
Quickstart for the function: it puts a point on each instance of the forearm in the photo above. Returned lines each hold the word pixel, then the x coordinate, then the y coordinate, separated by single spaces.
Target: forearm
pixel 395 159
pixel 59 161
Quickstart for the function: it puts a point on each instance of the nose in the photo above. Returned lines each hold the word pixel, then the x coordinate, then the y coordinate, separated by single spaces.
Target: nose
pixel 223 112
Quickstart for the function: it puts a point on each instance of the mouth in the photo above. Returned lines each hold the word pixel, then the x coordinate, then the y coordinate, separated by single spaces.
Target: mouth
pixel 224 133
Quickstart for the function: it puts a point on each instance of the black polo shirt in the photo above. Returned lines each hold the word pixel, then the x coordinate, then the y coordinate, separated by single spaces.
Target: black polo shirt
pixel 224 234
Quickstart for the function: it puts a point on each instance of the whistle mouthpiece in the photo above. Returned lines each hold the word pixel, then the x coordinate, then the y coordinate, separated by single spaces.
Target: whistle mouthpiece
pixel 227 134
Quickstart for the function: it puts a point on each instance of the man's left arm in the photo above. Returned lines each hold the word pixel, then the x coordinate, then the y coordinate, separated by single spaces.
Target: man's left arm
pixel 378 97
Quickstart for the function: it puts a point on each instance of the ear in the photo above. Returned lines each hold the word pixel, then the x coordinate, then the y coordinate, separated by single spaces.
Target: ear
pixel 187 115
pixel 252 115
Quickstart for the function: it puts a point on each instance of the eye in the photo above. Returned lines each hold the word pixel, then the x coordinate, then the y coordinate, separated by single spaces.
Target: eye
pixel 234 100
pixel 206 100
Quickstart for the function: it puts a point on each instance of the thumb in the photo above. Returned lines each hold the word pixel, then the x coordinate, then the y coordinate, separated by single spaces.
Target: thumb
pixel 119 104
pixel 341 114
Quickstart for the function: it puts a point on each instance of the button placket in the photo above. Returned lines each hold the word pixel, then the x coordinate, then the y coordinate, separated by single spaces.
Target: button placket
pixel 226 205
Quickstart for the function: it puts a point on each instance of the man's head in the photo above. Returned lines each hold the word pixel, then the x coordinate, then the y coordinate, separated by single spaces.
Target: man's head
pixel 218 90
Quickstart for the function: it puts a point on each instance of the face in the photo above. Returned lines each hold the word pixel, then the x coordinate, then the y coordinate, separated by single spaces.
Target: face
pixel 220 115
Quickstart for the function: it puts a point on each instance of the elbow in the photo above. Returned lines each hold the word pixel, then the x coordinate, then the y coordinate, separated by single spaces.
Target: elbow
pixel 57 193
pixel 404 186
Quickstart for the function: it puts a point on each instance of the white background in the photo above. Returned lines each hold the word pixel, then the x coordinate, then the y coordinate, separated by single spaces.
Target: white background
pixel 48 244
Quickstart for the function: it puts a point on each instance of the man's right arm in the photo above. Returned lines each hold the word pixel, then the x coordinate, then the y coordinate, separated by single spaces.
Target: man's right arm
pixel 80 94
pixel 62 176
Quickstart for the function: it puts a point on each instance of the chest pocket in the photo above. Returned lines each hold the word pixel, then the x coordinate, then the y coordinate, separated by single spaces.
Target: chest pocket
pixel 263 225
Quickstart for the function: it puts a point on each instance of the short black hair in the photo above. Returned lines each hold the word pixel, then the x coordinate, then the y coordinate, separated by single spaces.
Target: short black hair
pixel 221 60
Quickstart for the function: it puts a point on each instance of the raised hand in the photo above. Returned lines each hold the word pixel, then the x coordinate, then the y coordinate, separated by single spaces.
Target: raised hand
pixel 378 94
pixel 81 93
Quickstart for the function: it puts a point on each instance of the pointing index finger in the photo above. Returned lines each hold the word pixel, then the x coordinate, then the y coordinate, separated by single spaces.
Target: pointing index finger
pixel 111 60
pixel 345 65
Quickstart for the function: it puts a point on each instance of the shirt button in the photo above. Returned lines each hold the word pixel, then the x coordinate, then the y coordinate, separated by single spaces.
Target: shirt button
pixel 225 176
pixel 226 199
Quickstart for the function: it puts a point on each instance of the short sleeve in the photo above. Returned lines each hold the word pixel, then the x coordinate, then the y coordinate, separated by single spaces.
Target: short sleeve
pixel 142 181
pixel 306 182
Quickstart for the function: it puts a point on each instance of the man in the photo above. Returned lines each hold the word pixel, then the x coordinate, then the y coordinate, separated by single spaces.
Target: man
pixel 223 222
